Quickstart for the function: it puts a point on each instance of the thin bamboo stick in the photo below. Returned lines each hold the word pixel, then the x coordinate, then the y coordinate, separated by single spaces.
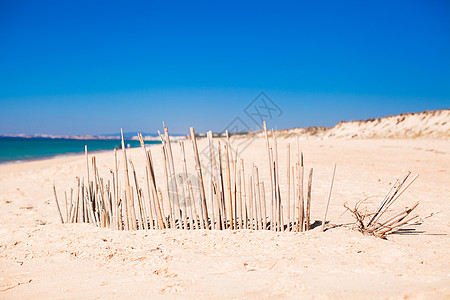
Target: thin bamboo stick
pixel 213 217
pixel 81 211
pixel 235 208
pixel 255 198
pixel 244 196
pixel 150 198
pixel 57 204
pixel 288 199
pixel 200 177
pixel 271 177
pixel 67 209
pixel 263 192
pixel 161 221
pixel 294 197
pixel 329 198
pixel 223 211
pixel 239 198
pixel 151 201
pixel 196 217
pixel 308 201
pixel 251 204
pixel 117 194
pixel 131 223
pixel 272 192
pixel 186 196
pixel 230 200
pixel 258 194
pixel 139 202
pixel 87 161
pixel 166 176
pixel 277 186
pixel 391 199
pixel 172 171
pixel 69 216
pixel 301 195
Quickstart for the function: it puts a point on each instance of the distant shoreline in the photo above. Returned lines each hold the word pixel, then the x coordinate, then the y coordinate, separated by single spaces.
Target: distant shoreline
pixel 16 150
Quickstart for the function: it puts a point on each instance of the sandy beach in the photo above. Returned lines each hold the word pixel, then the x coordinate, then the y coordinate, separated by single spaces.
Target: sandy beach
pixel 42 258
pixel 224 150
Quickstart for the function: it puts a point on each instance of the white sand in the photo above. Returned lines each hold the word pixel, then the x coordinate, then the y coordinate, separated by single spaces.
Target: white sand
pixel 82 261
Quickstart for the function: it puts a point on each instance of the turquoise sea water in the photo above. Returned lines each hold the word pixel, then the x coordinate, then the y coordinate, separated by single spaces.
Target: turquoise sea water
pixel 18 149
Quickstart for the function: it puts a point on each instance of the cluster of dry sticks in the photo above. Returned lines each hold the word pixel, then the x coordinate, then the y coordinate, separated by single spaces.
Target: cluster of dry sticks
pixel 373 223
pixel 236 200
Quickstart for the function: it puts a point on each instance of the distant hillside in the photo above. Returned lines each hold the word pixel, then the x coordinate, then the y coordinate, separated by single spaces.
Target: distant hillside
pixel 428 124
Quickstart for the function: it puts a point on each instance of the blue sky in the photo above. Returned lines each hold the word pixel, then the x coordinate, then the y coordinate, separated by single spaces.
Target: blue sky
pixel 92 67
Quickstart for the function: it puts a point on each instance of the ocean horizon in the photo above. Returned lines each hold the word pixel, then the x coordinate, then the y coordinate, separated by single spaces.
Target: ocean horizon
pixel 16 149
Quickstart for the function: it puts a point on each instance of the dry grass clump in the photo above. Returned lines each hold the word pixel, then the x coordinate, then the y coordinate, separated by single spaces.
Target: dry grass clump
pixel 223 194
pixel 382 221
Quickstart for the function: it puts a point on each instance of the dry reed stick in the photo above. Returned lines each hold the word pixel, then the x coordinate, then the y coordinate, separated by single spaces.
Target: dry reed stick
pixel 235 208
pixel 200 177
pixel 256 211
pixel 150 198
pixel 277 185
pixel 239 197
pixel 301 195
pixel 213 217
pixel 87 161
pixel 71 206
pixel 140 204
pixel 260 206
pixel 329 198
pixel 288 199
pixel 172 172
pixel 81 210
pixel 161 221
pixel 117 193
pixel 223 211
pixel 272 192
pixel 271 175
pixel 67 209
pixel 308 201
pixel 389 200
pixel 263 192
pixel 190 191
pixel 196 217
pixel 230 200
pixel 166 176
pixel 250 203
pixel 57 204
pixel 130 223
pixel 294 197
pixel 244 196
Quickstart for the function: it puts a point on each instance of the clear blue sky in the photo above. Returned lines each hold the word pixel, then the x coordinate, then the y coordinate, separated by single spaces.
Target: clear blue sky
pixel 92 67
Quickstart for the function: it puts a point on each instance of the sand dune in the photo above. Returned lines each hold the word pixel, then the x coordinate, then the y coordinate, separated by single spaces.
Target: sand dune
pixel 424 125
